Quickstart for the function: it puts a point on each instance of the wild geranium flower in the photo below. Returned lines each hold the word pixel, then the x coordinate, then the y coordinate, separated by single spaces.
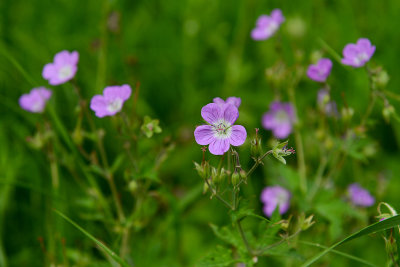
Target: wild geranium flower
pixel 319 72
pixel 62 69
pixel 36 100
pixel 266 25
pixel 360 196
pixel 279 119
pixel 112 100
pixel 220 133
pixel 274 197
pixel 358 54
pixel 236 101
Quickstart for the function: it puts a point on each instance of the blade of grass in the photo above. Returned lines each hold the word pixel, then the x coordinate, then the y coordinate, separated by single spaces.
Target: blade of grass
pixel 373 228
pixel 331 51
pixel 339 253
pixel 100 244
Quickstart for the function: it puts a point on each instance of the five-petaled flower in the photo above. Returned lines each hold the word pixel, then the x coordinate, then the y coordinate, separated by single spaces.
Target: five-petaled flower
pixel 266 25
pixel 62 69
pixel 220 133
pixel 111 101
pixel 274 197
pixel 236 101
pixel 36 100
pixel 360 196
pixel 357 55
pixel 319 72
pixel 279 119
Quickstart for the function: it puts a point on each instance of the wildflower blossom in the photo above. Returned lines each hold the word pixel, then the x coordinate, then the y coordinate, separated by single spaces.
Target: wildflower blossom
pixel 266 25
pixel 273 197
pixel 36 100
pixel 111 101
pixel 360 196
pixel 236 101
pixel 357 55
pixel 62 69
pixel 279 119
pixel 221 133
pixel 319 72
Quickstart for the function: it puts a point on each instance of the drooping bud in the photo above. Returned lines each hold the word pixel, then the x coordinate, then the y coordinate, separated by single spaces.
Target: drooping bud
pixel 235 178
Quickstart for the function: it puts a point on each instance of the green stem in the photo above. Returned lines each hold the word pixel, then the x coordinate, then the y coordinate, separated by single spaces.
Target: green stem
pixel 215 193
pixel 257 162
pixel 246 243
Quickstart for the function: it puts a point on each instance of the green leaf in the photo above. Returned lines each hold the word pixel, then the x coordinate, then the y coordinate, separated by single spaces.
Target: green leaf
pixel 111 253
pixel 373 228
pixel 219 257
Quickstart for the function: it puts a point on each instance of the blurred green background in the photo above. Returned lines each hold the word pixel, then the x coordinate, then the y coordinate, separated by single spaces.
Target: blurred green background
pixel 183 53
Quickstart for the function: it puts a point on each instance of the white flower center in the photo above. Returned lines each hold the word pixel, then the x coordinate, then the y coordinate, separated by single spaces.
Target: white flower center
pixel 115 105
pixel 271 28
pixel 361 58
pixel 222 129
pixel 65 72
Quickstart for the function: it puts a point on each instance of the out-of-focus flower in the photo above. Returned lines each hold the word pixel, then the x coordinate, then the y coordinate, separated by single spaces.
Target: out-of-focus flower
pixel 111 101
pixel 62 69
pixel 236 101
pixel 360 196
pixel 319 72
pixel 274 197
pixel 358 54
pixel 150 126
pixel 221 133
pixel 266 25
pixel 326 105
pixel 36 100
pixel 279 119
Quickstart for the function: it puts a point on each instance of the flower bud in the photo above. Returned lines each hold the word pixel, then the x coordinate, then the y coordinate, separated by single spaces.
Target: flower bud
pixel 347 113
pixel 133 186
pixel 387 112
pixel 235 179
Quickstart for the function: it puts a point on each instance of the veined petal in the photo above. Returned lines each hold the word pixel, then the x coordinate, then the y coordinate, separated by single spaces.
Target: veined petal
pixel 211 112
pixel 231 113
pixel 238 135
pixel 204 135
pixel 219 146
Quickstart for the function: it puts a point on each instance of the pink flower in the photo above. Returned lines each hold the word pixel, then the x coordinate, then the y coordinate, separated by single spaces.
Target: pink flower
pixel 112 100
pixel 266 26
pixel 274 197
pixel 62 69
pixel 230 100
pixel 319 72
pixel 279 119
pixel 221 133
pixel 359 196
pixel 357 55
pixel 36 100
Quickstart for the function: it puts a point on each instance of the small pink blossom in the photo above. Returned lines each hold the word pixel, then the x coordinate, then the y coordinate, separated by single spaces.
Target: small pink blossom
pixel 112 100
pixel 319 72
pixel 62 69
pixel 36 100
pixel 266 26
pixel 273 197
pixel 358 54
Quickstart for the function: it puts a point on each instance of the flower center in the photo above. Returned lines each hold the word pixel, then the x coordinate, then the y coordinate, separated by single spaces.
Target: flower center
pixel 281 116
pixel 271 28
pixel 114 105
pixel 361 58
pixel 222 129
pixel 65 72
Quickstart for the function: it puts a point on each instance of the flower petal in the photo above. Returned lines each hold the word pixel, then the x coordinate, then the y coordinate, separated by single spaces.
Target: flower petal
pixel 282 130
pixel 99 105
pixel 236 101
pixel 231 113
pixel 211 112
pixel 268 121
pixel 238 135
pixel 49 71
pixel 113 92
pixel 219 146
pixel 204 135
pixel 219 101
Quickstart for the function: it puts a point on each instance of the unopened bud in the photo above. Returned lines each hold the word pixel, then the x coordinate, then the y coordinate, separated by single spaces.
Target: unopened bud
pixel 235 178
pixel 387 112
pixel 133 186
pixel 307 222
pixel 347 113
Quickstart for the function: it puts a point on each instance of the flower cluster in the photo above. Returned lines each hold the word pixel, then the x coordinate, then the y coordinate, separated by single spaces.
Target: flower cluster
pixel 220 132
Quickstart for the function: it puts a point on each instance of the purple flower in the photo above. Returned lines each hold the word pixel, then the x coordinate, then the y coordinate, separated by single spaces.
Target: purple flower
pixel 221 133
pixel 359 196
pixel 236 101
pixel 111 101
pixel 36 100
pixel 319 72
pixel 273 197
pixel 279 119
pixel 266 25
pixel 357 55
pixel 62 69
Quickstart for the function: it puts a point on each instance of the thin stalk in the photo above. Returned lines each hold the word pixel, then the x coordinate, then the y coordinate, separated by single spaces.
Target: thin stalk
pixel 215 193
pixel 246 243
pixel 257 162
